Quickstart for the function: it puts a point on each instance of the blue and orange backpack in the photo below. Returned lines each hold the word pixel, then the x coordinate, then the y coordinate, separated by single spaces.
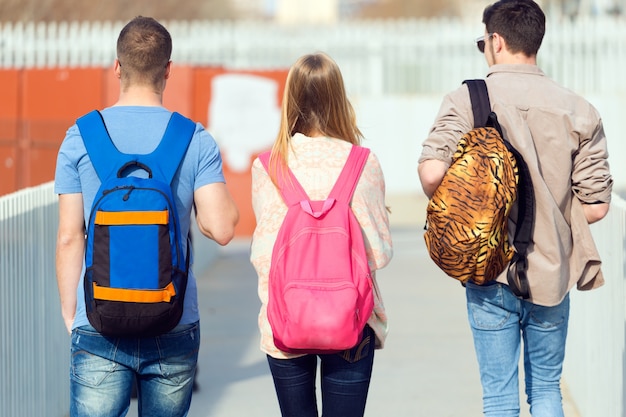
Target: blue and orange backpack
pixel 136 271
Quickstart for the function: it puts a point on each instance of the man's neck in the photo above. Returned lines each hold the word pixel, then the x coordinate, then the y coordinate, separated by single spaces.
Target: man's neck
pixel 516 59
pixel 140 96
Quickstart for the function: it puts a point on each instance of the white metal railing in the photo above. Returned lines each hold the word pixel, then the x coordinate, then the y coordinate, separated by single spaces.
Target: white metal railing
pixel 34 345
pixel 595 368
pixel 377 57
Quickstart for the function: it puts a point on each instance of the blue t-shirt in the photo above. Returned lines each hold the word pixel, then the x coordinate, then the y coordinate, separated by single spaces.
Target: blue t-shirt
pixel 138 130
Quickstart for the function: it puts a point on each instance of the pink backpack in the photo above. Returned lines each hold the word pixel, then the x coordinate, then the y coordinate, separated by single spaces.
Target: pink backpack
pixel 320 288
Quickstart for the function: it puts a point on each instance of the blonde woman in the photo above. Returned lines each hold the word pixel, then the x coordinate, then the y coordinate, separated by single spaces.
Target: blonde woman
pixel 317 131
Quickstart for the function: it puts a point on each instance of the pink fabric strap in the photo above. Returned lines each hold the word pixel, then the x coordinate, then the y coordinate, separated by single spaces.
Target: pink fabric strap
pixel 293 193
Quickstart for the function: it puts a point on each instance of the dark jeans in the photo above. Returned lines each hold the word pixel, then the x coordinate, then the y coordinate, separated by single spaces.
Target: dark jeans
pixel 345 380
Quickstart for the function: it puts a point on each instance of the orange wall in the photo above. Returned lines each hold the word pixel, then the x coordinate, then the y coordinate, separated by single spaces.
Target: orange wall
pixel 50 100
pixel 40 104
pixel 9 79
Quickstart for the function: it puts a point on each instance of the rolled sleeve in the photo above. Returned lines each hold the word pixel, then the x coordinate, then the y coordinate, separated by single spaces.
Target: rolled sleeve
pixel 591 179
pixel 452 122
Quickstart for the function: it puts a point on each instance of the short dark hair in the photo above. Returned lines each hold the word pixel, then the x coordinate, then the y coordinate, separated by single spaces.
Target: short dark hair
pixel 521 23
pixel 144 48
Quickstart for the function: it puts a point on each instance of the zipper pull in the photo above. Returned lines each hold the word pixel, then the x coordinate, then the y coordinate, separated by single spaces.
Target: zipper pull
pixel 127 195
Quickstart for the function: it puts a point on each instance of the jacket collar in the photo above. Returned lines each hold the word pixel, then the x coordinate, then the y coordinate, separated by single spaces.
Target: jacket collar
pixel 515 68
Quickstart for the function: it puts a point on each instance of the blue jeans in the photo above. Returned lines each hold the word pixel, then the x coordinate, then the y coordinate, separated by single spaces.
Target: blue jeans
pixel 499 322
pixel 345 380
pixel 103 370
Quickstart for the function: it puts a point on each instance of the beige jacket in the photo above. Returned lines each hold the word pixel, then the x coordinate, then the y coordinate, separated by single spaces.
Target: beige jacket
pixel 561 137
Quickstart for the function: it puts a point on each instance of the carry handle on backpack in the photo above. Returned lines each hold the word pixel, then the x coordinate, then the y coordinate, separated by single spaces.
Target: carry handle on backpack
pixel 485 117
pixel 293 193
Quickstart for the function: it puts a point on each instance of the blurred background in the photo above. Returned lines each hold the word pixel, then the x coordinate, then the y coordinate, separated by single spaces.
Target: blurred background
pixel 279 10
pixel 398 58
pixel 230 61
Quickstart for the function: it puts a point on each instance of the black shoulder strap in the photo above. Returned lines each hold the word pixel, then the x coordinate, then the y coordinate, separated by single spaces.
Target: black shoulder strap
pixel 524 227
pixel 484 116
pixel 479 96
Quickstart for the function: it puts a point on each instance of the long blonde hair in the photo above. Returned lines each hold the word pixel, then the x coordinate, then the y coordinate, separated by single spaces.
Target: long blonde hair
pixel 314 101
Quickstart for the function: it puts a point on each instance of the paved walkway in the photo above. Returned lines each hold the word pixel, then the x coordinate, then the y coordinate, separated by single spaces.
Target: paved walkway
pixel 427 368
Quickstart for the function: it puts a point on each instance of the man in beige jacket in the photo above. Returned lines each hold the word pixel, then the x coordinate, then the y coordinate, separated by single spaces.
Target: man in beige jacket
pixel 560 135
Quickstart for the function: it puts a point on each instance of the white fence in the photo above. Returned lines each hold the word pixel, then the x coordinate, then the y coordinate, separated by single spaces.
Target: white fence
pixel 595 368
pixel 34 346
pixel 377 57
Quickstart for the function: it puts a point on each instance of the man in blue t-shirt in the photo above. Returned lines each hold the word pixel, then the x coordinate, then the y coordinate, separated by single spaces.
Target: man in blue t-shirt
pixel 103 368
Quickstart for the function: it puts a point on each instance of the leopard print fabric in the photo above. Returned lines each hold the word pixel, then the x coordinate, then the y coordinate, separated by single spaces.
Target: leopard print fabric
pixel 467 231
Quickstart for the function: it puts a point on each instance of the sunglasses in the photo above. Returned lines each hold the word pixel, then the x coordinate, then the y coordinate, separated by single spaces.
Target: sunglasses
pixel 480 42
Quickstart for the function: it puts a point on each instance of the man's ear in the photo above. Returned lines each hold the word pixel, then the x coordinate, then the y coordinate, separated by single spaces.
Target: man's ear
pixel 498 43
pixel 117 68
pixel 168 69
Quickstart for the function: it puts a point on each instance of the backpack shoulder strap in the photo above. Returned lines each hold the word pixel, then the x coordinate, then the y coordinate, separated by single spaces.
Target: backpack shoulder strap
pixel 292 192
pixel 288 185
pixel 108 160
pixel 523 232
pixel 102 152
pixel 350 174
pixel 479 96
pixel 168 156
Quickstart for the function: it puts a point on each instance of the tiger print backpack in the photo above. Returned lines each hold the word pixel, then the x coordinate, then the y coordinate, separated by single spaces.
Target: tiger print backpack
pixel 467 216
